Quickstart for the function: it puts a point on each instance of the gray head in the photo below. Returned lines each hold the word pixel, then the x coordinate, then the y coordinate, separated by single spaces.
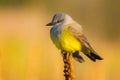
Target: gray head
pixel 60 19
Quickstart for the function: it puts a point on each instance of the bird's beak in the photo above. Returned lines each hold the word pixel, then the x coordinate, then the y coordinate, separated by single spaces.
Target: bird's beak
pixel 49 24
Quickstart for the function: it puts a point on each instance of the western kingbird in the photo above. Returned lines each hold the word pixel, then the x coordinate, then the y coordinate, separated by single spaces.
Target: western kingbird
pixel 68 36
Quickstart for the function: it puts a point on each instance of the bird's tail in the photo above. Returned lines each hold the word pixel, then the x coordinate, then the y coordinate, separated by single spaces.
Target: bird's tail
pixel 90 53
pixel 93 56
pixel 77 57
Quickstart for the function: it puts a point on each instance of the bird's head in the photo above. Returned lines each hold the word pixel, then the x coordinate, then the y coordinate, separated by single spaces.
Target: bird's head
pixel 60 19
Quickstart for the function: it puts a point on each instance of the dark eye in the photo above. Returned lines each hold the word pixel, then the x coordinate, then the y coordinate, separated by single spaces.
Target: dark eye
pixel 58 21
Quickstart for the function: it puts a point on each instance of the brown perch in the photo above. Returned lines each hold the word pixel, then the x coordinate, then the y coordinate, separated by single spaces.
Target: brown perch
pixel 68 68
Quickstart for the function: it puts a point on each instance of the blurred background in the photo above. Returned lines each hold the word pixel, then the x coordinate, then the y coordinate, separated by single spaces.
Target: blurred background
pixel 27 53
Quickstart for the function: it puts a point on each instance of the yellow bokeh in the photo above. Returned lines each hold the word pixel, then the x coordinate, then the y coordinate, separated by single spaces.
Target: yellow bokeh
pixel 27 53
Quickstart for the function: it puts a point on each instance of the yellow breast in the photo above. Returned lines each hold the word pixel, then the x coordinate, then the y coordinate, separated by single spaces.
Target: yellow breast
pixel 68 41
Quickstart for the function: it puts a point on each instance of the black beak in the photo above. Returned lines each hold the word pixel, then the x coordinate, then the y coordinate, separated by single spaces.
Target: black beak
pixel 49 24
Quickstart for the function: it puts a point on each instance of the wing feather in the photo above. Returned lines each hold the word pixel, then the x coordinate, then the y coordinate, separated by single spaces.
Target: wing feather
pixel 76 30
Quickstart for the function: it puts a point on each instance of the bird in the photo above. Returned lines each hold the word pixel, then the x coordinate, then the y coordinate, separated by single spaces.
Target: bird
pixel 68 36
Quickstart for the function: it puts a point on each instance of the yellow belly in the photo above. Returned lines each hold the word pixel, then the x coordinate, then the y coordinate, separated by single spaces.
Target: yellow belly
pixel 69 42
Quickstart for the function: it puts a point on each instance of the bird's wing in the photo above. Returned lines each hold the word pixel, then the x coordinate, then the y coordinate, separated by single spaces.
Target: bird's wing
pixel 76 30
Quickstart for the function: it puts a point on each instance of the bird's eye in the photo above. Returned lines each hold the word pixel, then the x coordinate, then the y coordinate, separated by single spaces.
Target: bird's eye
pixel 58 21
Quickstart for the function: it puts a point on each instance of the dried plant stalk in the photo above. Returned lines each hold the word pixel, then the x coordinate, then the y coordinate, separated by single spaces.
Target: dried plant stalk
pixel 68 67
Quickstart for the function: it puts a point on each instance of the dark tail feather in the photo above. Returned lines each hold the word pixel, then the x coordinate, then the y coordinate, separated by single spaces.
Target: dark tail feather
pixel 77 57
pixel 94 56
